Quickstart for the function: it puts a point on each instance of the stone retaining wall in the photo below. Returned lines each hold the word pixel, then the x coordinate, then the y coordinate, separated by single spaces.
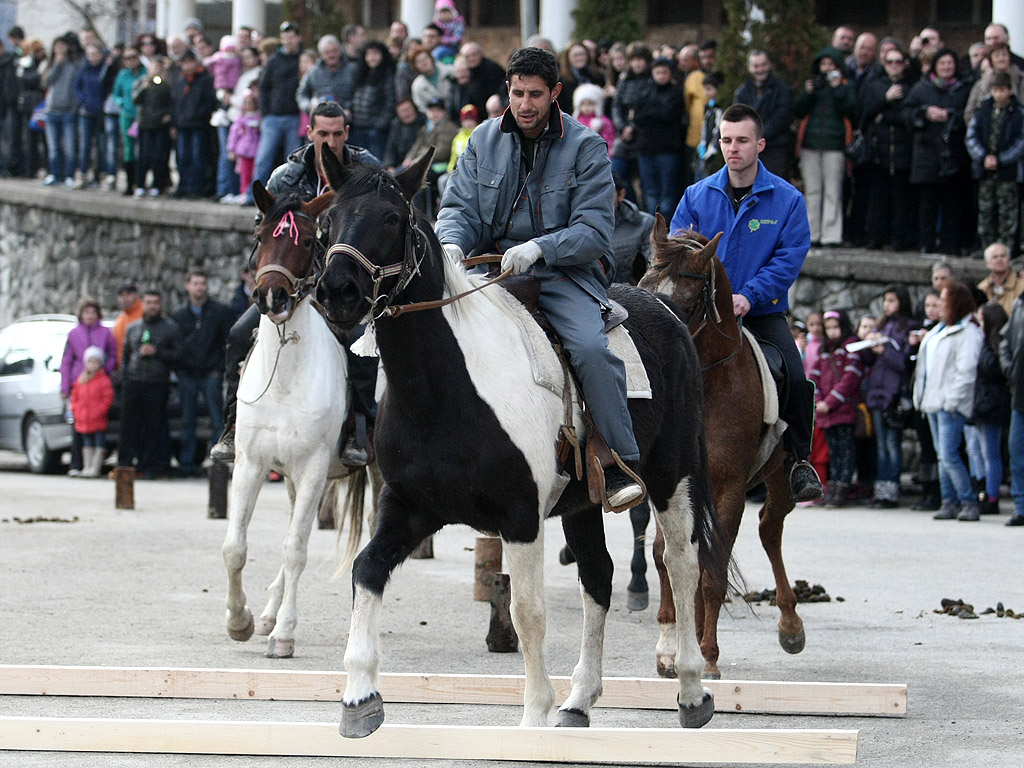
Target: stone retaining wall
pixel 57 245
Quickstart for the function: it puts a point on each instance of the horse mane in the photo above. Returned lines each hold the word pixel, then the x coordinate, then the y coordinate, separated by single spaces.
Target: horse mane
pixel 362 179
pixel 284 203
pixel 680 243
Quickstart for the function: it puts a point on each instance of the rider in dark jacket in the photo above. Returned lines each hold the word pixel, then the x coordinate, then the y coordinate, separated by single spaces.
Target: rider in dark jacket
pixel 299 175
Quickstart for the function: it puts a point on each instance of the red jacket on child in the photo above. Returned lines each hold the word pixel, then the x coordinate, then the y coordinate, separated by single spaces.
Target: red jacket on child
pixel 837 377
pixel 91 401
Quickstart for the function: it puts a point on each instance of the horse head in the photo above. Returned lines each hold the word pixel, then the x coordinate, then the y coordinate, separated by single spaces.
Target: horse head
pixel 684 267
pixel 378 241
pixel 287 246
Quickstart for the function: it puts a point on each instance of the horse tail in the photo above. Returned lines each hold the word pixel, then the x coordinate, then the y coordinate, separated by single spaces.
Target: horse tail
pixel 352 513
pixel 716 561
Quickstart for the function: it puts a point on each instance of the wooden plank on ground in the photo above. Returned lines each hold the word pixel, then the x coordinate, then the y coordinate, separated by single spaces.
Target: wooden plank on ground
pixel 619 746
pixel 623 693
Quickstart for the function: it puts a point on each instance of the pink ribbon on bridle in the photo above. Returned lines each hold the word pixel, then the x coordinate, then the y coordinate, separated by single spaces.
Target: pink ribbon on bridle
pixel 288 220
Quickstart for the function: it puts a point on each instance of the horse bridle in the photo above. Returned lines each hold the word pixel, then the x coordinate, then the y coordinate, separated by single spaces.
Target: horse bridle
pixel 710 316
pixel 300 286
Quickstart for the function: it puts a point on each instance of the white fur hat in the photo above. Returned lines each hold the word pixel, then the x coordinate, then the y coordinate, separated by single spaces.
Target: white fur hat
pixel 588 92
pixel 96 352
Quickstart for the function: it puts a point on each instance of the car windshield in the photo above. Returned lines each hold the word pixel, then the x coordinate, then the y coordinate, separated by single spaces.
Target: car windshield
pixel 41 340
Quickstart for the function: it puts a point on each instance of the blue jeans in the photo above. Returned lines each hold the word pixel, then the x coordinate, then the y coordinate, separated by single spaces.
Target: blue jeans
pixel 191 150
pixel 623 166
pixel 889 445
pixel 659 177
pixel 975 457
pixel 1016 447
pixel 189 389
pixel 90 135
pixel 948 431
pixel 276 132
pixel 111 139
pixel 373 139
pixel 60 141
pixel 990 436
pixel 94 439
pixel 227 179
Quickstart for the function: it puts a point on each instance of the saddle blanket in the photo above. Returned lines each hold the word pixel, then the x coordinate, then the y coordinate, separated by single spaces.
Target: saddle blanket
pixel 768 390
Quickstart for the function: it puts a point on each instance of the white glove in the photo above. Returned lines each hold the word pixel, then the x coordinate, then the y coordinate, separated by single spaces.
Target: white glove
pixel 453 252
pixel 520 258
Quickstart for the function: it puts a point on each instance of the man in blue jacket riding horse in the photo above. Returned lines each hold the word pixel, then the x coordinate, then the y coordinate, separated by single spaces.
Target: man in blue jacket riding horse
pixel 766 236
pixel 537 186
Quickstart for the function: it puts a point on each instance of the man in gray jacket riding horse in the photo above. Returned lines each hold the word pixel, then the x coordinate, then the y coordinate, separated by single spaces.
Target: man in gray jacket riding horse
pixel 537 185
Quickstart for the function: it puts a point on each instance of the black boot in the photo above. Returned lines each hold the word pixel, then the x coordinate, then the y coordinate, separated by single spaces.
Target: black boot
pixel 931 493
pixel 621 490
pixel 129 170
pixel 804 483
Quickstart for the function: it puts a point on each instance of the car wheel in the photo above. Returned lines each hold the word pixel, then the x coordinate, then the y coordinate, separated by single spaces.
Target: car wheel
pixel 41 458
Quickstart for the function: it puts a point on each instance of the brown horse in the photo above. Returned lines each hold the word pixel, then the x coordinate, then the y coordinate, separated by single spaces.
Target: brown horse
pixel 686 268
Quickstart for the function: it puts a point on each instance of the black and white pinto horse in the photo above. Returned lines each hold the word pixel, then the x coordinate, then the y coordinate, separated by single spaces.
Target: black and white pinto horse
pixel 464 435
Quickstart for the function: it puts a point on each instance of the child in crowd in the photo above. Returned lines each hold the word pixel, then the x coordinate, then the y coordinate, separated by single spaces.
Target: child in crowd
pixel 864 432
pixel 928 465
pixel 91 398
pixel 588 109
pixel 837 377
pixel 819 445
pixel 995 142
pixel 243 142
pixel 226 66
pixel 469 118
pixel 709 157
pixel 453 29
pixel 991 405
pixel 888 378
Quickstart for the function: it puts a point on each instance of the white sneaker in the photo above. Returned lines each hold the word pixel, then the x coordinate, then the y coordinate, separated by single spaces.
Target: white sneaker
pixel 69 183
pixel 139 192
pixel 50 180
pixel 110 183
pixel 154 192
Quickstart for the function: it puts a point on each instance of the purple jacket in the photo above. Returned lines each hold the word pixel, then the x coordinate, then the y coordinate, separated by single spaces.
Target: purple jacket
pixel 80 339
pixel 837 377
pixel 887 369
pixel 244 136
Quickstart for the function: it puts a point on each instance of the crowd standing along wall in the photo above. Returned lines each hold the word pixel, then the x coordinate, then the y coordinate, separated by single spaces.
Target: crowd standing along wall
pixel 56 246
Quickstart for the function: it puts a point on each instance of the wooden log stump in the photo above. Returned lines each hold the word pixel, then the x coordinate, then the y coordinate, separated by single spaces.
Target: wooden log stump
pixel 501 637
pixel 425 550
pixel 124 487
pixel 487 563
pixel 219 477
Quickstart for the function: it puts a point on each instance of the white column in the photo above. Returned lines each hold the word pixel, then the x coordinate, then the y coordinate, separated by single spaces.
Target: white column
pixel 249 13
pixel 178 12
pixel 527 19
pixel 556 22
pixel 416 14
pixel 161 19
pixel 1011 14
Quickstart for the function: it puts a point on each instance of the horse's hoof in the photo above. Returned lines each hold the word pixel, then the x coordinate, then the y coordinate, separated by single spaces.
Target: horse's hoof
pixel 792 643
pixel 362 719
pixel 711 672
pixel 666 669
pixel 637 601
pixel 565 556
pixel 243 634
pixel 280 649
pixel 571 718
pixel 698 715
pixel 266 625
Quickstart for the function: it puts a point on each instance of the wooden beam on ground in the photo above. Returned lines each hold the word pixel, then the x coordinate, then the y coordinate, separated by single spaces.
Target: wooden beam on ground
pixel 751 696
pixel 619 746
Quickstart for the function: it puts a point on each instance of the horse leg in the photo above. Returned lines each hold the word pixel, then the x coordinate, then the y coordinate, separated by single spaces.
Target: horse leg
pixel 665 650
pixel 584 533
pixel 637 592
pixel 400 529
pixel 778 504
pixel 310 487
pixel 245 486
pixel 526 575
pixel 696 703
pixel 729 507
pixel 275 592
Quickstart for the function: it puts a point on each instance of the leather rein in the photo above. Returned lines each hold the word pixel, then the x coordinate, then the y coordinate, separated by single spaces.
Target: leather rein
pixel 710 316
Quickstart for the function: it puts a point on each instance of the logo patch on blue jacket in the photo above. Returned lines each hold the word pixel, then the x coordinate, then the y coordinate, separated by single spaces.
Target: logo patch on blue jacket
pixel 755 224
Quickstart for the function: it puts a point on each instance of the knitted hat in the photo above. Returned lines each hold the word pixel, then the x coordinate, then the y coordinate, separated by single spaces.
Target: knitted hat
pixel 469 112
pixel 94 352
pixel 228 43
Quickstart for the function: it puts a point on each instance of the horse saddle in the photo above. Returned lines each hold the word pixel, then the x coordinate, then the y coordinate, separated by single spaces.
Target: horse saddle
pixel 526 288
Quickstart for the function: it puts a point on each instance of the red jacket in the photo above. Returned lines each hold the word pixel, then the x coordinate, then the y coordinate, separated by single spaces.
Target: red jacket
pixel 837 376
pixel 90 403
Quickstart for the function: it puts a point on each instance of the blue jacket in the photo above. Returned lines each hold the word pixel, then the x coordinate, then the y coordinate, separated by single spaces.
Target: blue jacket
pixel 89 88
pixel 763 246
pixel 570 189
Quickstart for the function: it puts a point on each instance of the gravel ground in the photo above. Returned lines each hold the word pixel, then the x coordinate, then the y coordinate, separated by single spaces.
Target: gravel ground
pixel 146 588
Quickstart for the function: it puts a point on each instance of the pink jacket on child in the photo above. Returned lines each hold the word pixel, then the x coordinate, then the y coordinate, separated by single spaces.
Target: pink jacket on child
pixel 244 136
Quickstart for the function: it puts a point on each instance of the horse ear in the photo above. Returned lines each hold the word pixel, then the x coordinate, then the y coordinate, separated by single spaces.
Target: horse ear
pixel 411 179
pixel 711 248
pixel 660 232
pixel 332 169
pixel 318 205
pixel 262 197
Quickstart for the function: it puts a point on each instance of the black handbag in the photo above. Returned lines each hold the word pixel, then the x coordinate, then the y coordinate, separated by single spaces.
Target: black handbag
pixel 900 411
pixel 858 151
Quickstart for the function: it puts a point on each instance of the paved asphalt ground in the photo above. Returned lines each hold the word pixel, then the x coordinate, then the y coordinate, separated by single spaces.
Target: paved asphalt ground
pixel 146 588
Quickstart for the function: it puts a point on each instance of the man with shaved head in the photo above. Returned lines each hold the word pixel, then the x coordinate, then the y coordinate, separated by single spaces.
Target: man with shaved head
pixel 486 78
pixel 998 36
pixel 843 39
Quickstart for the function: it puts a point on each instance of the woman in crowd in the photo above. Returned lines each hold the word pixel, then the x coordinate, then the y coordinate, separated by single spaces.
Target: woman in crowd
pixel 61 113
pixel 629 97
pixel 31 68
pixel 130 74
pixel 939 166
pixel 888 377
pixel 576 67
pixel 991 404
pixel 431 82
pixel 89 92
pixel 944 390
pixel 373 99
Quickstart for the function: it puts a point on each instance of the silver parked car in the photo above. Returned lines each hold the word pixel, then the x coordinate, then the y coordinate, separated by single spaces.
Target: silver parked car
pixel 31 410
